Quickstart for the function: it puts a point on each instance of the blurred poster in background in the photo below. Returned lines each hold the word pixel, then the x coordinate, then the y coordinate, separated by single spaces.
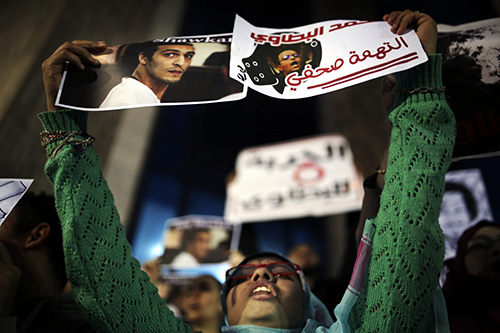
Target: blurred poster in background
pixel 465 202
pixel 471 75
pixel 196 245
pixel 313 176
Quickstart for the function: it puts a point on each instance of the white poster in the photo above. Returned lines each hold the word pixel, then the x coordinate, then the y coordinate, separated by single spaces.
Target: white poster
pixel 166 71
pixel 312 176
pixel 319 58
pixel 11 191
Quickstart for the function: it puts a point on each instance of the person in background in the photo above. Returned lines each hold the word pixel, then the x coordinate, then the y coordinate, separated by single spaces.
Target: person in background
pixel 172 294
pixel 307 258
pixel 202 305
pixel 32 271
pixel 328 290
pixel 472 286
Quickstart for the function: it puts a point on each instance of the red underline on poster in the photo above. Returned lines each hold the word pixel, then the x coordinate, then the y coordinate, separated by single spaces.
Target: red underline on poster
pixel 367 71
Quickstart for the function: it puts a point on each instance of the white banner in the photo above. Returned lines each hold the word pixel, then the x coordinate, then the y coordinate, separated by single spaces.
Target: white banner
pixel 319 58
pixel 313 176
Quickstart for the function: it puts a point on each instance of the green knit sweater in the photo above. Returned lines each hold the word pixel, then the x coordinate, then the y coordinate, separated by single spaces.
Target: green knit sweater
pixel 407 251
pixel 408 247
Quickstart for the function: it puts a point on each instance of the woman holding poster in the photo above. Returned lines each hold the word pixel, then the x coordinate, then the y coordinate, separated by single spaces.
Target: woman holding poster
pixel 396 275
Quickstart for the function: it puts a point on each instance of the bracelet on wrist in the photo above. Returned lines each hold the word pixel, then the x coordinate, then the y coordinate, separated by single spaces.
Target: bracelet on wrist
pixel 65 138
pixel 421 90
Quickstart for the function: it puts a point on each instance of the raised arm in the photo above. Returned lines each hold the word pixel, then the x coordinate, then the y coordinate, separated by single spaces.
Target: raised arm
pixel 77 53
pixel 107 281
pixel 408 245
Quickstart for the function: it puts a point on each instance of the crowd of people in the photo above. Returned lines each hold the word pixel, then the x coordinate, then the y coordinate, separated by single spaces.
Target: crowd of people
pixel 395 281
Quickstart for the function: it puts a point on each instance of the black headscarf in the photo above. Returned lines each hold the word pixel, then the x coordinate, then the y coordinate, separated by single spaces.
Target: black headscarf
pixel 473 303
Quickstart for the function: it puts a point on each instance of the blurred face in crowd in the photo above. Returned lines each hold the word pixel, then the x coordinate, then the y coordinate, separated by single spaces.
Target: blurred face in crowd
pixel 200 246
pixel 11 239
pixel 202 301
pixel 7 227
pixel 482 258
pixel 290 61
pixel 169 62
pixel 265 299
pixel 307 258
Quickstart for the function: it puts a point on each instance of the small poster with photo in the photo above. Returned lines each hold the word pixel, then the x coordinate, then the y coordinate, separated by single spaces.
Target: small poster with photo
pixel 319 58
pixel 465 203
pixel 167 71
pixel 11 191
pixel 198 244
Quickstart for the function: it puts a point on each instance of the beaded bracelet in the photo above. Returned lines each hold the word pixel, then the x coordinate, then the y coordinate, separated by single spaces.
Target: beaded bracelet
pixel 48 137
pixel 422 90
pixel 65 138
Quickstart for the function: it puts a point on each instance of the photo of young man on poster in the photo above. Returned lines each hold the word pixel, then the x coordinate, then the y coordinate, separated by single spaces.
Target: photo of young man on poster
pixel 271 64
pixel 194 240
pixel 167 71
pixel 159 66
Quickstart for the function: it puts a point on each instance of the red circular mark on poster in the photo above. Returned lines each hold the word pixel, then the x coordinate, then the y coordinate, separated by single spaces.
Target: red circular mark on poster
pixel 308 173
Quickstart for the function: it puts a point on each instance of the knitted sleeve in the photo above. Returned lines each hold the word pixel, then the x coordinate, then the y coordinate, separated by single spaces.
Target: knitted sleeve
pixel 408 245
pixel 107 281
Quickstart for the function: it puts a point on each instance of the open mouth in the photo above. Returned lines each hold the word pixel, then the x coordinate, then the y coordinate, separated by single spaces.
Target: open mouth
pixel 262 292
pixel 294 63
pixel 193 306
pixel 262 289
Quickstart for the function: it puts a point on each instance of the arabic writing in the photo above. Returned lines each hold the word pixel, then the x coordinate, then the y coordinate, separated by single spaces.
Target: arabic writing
pixel 381 51
pixel 368 71
pixel 295 78
pixel 295 38
pixel 287 38
pixel 297 195
pixel 198 222
pixel 338 26
pixel 270 162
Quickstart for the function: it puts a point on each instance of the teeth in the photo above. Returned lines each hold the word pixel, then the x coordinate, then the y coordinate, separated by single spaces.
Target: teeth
pixel 262 288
